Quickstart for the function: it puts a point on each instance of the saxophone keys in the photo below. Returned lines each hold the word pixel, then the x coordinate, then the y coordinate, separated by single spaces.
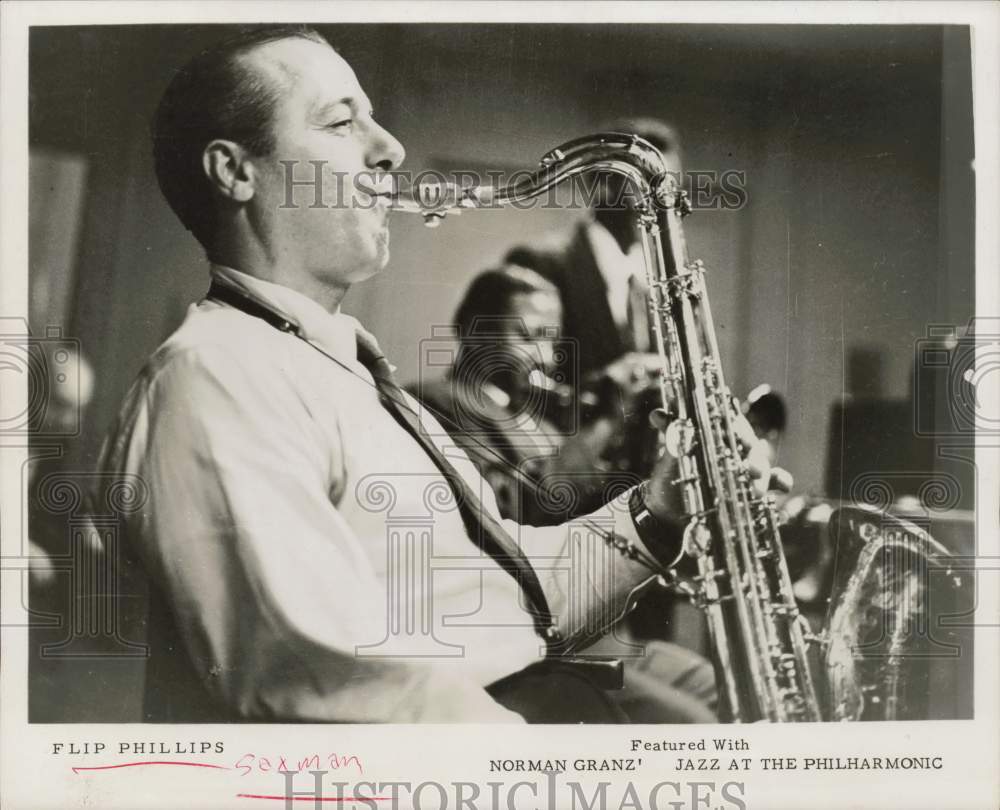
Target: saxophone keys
pixel 555 156
pixel 785 610
pixel 679 438
pixel 710 601
pixel 696 538
pixel 682 204
pixel 816 639
pixel 716 574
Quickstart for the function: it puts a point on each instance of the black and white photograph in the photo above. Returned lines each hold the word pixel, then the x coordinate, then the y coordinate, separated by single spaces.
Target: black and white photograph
pixel 624 380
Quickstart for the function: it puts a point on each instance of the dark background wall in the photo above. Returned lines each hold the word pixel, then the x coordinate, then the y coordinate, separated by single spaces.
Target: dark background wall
pixel 855 140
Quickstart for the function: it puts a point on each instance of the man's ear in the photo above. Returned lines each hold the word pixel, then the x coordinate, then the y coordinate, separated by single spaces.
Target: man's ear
pixel 229 169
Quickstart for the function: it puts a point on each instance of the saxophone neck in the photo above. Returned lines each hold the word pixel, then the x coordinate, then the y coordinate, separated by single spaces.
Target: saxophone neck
pixel 624 154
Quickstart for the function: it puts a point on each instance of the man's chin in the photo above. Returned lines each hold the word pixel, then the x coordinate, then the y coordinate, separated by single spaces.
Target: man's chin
pixel 372 268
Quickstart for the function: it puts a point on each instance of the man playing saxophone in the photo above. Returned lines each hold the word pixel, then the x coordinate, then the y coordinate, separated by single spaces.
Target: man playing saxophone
pixel 273 442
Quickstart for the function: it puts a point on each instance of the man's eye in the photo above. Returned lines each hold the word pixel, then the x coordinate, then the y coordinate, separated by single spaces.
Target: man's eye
pixel 341 124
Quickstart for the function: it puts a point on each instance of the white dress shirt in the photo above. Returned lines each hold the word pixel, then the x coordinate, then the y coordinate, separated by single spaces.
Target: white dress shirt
pixel 616 268
pixel 289 517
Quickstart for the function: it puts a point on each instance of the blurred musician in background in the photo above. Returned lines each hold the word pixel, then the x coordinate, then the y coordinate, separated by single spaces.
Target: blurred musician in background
pixel 765 410
pixel 505 404
pixel 500 404
pixel 599 270
pixel 804 516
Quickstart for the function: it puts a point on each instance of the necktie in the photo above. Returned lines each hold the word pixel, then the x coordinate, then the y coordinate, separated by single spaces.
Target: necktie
pixel 483 529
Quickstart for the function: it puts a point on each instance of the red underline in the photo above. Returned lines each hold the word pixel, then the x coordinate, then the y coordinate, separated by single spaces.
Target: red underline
pixel 315 798
pixel 164 762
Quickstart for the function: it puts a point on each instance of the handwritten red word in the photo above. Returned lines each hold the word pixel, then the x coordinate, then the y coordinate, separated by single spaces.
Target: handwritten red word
pixel 250 763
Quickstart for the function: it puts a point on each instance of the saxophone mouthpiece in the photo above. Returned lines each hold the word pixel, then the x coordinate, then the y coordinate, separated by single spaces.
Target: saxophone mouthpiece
pixel 433 200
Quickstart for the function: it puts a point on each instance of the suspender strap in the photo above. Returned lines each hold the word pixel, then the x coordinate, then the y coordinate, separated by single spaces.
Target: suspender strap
pixel 251 306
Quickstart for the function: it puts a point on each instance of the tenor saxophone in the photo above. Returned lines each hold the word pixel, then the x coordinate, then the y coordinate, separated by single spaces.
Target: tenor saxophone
pixel 769 664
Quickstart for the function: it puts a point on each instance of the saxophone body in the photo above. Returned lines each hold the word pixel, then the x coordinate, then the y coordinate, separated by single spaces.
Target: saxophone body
pixel 769 664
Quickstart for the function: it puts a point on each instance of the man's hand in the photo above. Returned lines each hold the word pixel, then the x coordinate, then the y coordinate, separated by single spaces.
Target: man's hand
pixel 757 456
pixel 635 371
pixel 663 496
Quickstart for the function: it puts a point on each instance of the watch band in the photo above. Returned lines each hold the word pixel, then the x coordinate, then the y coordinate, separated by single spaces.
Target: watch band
pixel 664 539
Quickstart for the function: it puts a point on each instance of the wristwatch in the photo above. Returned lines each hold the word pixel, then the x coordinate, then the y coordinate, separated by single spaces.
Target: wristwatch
pixel 664 539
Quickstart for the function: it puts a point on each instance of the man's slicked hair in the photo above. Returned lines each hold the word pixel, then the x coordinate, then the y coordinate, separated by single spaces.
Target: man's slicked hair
pixel 488 298
pixel 215 96
pixel 486 311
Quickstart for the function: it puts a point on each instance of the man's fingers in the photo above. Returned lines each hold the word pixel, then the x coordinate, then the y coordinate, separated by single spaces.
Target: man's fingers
pixel 776 478
pixel 744 431
pixel 781 480
pixel 758 459
pixel 659 419
pixel 756 454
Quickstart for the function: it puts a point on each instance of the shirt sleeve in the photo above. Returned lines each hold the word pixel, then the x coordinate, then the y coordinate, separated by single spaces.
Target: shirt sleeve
pixel 588 583
pixel 270 586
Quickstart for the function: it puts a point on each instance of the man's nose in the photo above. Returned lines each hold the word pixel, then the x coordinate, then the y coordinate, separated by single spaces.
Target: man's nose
pixel 385 152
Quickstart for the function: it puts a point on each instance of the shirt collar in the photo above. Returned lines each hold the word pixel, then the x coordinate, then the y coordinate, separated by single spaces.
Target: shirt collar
pixel 616 267
pixel 333 332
